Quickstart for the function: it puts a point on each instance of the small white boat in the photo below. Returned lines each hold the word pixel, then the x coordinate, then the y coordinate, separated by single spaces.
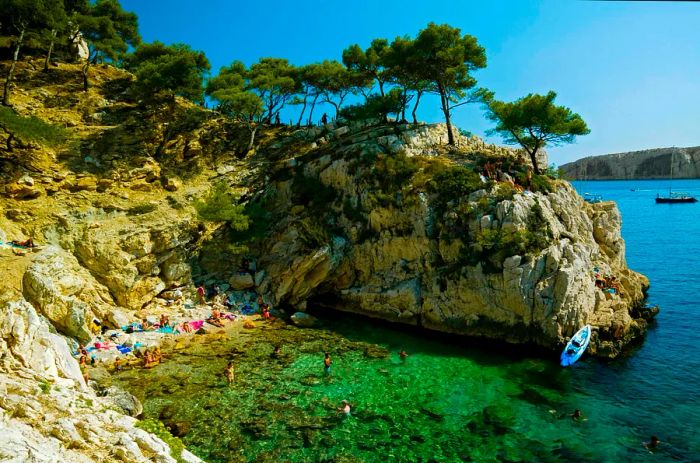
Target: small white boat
pixel 576 346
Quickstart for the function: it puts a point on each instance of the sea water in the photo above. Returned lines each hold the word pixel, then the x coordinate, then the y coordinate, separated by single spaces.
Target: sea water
pixel 452 401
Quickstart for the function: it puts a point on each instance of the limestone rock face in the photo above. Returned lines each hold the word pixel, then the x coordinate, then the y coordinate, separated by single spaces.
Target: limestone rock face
pixel 135 260
pixel 653 163
pixel 66 293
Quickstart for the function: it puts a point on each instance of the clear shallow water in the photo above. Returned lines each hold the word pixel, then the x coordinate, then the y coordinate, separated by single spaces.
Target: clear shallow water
pixel 451 402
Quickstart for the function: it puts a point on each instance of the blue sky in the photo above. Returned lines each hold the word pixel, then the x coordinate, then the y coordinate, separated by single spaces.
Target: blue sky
pixel 631 69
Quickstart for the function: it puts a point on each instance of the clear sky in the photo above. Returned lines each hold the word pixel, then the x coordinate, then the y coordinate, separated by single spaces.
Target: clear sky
pixel 631 69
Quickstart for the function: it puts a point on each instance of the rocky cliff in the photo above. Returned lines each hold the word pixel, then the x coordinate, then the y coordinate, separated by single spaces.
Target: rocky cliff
pixel 379 219
pixel 646 164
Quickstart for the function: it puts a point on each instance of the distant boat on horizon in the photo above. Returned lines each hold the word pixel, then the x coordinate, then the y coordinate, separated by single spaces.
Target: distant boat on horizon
pixel 676 197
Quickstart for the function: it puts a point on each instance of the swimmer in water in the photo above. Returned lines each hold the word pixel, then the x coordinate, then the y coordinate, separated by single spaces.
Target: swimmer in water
pixel 653 444
pixel 403 355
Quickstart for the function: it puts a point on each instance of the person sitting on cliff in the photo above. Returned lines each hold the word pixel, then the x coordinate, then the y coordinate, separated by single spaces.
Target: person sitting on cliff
pixel 82 351
pixel 118 364
pixel 164 321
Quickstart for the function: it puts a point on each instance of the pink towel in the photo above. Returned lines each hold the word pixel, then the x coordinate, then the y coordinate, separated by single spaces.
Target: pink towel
pixel 196 324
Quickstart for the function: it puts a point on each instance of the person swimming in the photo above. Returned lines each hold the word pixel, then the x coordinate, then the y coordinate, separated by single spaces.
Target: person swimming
pixel 652 444
pixel 403 355
pixel 327 364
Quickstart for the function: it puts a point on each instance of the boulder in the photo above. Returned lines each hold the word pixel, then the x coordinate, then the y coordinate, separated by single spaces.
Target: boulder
pixel 124 401
pixel 304 320
pixel 65 293
pixel 241 281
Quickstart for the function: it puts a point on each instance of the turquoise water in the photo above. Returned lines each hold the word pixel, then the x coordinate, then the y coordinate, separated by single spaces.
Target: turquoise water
pixel 452 401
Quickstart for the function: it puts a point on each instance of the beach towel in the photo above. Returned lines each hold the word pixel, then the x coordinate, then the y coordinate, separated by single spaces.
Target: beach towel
pixel 124 349
pixel 196 324
pixel 166 329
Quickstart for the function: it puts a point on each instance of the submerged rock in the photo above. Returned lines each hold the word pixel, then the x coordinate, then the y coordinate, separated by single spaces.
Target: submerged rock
pixel 304 320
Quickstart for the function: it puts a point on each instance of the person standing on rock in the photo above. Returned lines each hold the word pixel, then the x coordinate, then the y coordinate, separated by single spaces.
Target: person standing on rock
pixel 327 364
pixel 324 119
pixel 200 293
pixel 84 368
pixel 228 372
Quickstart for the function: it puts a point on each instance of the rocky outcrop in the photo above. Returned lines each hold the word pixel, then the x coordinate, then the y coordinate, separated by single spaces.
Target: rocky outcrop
pixel 496 263
pixel 47 414
pixel 66 293
pixel 646 164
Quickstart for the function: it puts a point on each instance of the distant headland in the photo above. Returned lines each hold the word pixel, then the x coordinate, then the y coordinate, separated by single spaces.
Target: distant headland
pixel 645 164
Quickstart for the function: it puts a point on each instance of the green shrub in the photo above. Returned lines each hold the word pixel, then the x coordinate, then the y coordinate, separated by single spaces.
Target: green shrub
pixel 454 184
pixel 32 128
pixel 221 205
pixel 541 183
pixel 159 430
pixel 313 234
pixel 504 191
pixel 395 171
pixel 376 107
pixel 144 208
pixel 353 213
pixel 259 221
pixel 45 387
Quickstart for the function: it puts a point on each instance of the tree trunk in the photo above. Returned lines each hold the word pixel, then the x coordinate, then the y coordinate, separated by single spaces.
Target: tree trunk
pixel 48 54
pixel 86 69
pixel 446 111
pixel 303 108
pixel 419 93
pixel 8 81
pixel 313 105
pixel 381 87
pixel 533 158
pixel 252 138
